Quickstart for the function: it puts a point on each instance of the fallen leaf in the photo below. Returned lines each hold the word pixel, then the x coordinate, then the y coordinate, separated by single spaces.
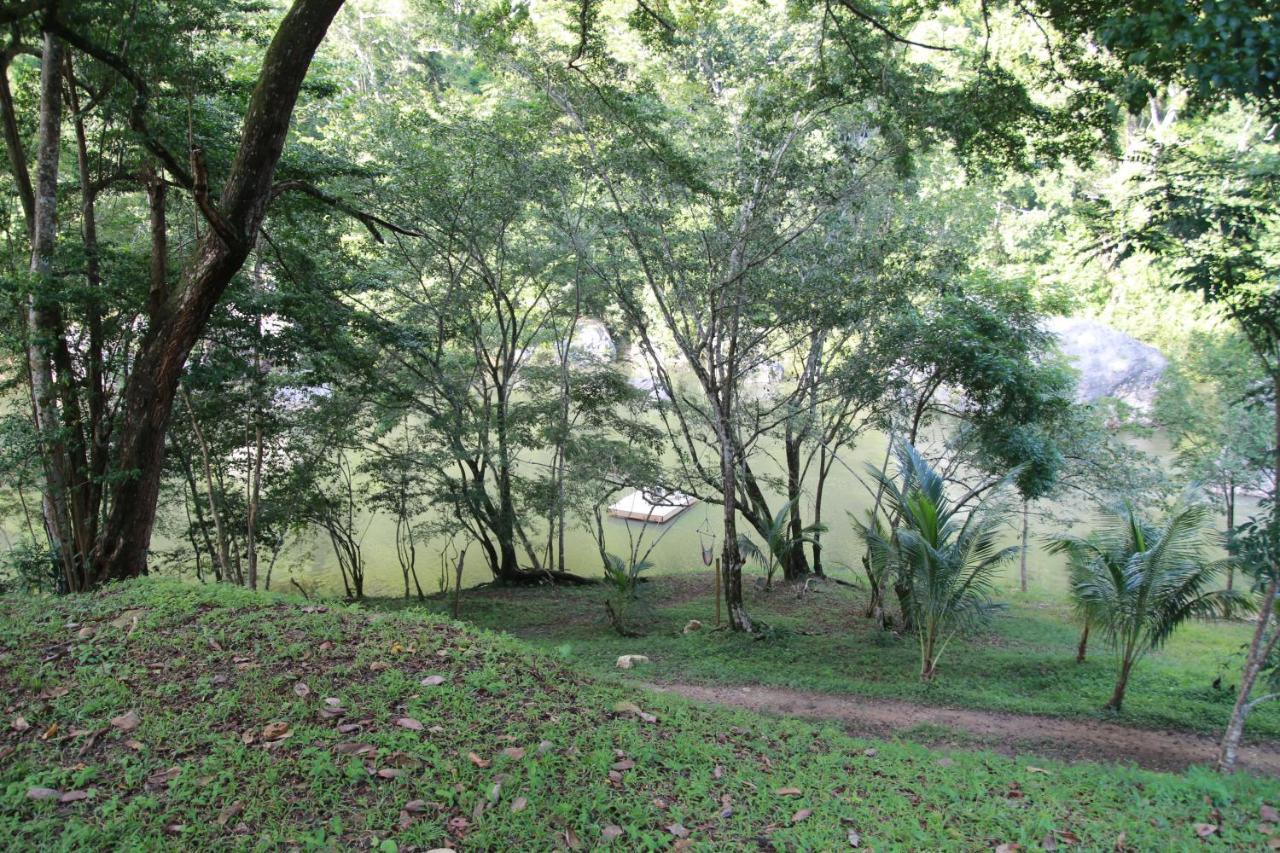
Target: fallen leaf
pixel 174 828
pixel 276 731
pixel 164 777
pixel 415 806
pixel 409 723
pixel 354 748
pixel 126 722
pixel 1274 842
pixel 302 690
pixel 648 718
pixel 86 632
pixel 348 728
pixel 611 832
pixel 717 772
pixel 53 692
pixel 519 804
pixel 945 762
pixel 73 796
pixel 325 646
pixel 19 724
pixel 625 764
pixel 678 831
pixel 478 761
pixel 389 773
pixel 49 732
pixel 1049 842
pixel 432 680
pixel 1031 769
pixel 544 747
pixel 379 666
pixel 853 838
pixel 1269 814
pixel 403 760
pixel 514 752
pixel 1009 848
pixel 626 708
pixel 871 752
pixel 1204 830
pixel 43 794
pixel 135 745
pixel 788 792
pixel 231 811
pixel 1068 837
pixel 801 815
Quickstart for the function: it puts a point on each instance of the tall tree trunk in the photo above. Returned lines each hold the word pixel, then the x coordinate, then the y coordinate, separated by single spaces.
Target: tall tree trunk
pixel 796 566
pixel 147 406
pixel 1231 532
pixel 1083 647
pixel 1022 562
pixel 44 327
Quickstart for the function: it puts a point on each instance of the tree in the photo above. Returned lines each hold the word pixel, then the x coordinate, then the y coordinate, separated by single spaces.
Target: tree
pixel 101 499
pixel 1210 406
pixel 780 541
pixel 950 557
pixel 1138 581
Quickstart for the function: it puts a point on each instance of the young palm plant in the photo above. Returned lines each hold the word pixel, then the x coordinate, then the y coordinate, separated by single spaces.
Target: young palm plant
pixel 779 542
pixel 948 556
pixel 1137 581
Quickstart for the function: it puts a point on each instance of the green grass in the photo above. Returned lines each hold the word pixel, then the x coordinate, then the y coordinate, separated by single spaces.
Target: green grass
pixel 204 667
pixel 1025 663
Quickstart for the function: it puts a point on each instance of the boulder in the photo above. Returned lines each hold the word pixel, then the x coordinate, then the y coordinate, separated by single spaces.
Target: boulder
pixel 1110 363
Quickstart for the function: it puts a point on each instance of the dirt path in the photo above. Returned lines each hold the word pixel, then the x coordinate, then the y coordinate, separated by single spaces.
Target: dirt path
pixel 1010 734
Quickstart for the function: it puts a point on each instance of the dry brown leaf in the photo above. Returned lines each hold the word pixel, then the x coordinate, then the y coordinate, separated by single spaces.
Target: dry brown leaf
pixel 348 728
pixel 678 831
pixel 126 722
pixel 519 804
pixel 854 839
pixel 389 773
pixel 625 764
pixel 1274 842
pixel 1031 769
pixel 225 816
pixel 871 752
pixel 135 745
pixel 1009 847
pixel 1049 842
pixel 379 666
pixel 276 731
pixel 478 761
pixel 73 796
pixel 43 794
pixel 1204 830
pixel 302 690
pixel 415 806
pixel 610 832
pixel 801 815
pixel 49 732
pixel 354 748
pixel 788 792
pixel 53 692
pixel 164 777
pixel 19 724
pixel 432 680
pixel 514 752
pixel 409 723
pixel 717 772
pixel 1269 814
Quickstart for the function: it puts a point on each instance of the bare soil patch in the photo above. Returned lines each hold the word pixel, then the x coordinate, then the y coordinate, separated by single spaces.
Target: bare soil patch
pixel 1009 734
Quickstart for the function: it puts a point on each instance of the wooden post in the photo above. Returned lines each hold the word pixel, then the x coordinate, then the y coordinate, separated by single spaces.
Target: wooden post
pixel 717 592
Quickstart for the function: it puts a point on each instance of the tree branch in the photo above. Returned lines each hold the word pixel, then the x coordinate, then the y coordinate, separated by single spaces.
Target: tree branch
pixel 368 220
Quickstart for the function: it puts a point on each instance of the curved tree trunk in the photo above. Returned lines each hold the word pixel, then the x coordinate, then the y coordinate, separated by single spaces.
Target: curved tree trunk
pixel 121 549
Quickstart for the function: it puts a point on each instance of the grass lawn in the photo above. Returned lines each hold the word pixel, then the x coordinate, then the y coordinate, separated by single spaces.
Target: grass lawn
pixel 1024 663
pixel 253 721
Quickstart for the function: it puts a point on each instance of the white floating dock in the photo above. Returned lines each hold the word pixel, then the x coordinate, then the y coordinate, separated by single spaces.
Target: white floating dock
pixel 656 506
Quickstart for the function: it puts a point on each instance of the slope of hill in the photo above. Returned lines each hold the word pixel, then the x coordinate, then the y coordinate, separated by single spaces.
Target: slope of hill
pixel 160 715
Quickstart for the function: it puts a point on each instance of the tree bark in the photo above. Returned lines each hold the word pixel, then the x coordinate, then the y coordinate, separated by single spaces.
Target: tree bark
pixel 1117 695
pixel 121 550
pixel 1022 568
pixel 1084 644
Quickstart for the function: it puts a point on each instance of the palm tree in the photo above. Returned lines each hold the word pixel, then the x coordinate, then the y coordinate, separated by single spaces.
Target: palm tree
pixel 1138 581
pixel 948 558
pixel 779 543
